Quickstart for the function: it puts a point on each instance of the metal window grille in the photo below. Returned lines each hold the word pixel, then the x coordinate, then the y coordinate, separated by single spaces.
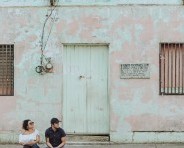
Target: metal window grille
pixel 6 70
pixel 172 69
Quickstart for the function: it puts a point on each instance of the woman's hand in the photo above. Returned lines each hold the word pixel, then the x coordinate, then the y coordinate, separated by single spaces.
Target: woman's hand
pixel 30 143
pixel 22 143
pixel 22 131
pixel 34 142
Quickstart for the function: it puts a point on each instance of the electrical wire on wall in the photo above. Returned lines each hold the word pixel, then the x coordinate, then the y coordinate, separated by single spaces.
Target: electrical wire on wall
pixel 45 62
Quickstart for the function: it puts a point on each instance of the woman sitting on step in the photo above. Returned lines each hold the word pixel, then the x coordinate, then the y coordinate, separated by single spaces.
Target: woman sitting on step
pixel 29 137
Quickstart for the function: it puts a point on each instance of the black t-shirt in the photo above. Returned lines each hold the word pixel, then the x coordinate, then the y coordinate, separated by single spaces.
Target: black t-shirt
pixel 55 137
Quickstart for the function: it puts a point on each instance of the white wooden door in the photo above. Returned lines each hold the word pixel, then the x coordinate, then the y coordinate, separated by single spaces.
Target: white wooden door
pixel 85 89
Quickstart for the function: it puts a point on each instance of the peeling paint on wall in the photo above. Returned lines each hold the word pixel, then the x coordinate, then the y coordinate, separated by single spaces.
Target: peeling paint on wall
pixel 134 34
pixel 36 3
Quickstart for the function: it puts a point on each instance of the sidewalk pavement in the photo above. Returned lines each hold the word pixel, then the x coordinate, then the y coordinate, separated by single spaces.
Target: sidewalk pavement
pixel 107 146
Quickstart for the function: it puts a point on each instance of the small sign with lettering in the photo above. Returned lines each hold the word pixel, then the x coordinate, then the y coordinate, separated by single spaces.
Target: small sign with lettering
pixel 135 71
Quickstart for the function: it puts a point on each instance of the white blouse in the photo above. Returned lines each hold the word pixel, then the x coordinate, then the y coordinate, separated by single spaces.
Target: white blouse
pixel 28 138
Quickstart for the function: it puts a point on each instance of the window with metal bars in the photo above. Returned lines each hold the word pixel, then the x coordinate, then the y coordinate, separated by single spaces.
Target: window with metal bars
pixel 172 69
pixel 6 70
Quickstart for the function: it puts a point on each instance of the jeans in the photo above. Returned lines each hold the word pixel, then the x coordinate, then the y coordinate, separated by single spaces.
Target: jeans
pixel 33 146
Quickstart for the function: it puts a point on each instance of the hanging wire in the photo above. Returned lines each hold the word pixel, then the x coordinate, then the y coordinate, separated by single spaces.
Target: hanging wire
pixel 44 68
pixel 43 46
pixel 50 31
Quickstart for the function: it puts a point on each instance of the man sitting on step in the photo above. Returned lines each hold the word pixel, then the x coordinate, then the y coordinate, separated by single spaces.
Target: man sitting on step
pixel 55 136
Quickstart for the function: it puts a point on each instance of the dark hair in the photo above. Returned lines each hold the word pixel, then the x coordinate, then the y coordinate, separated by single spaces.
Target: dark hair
pixel 25 124
pixel 54 120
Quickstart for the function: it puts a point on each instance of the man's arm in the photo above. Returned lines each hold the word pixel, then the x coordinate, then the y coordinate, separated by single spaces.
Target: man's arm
pixel 48 143
pixel 63 139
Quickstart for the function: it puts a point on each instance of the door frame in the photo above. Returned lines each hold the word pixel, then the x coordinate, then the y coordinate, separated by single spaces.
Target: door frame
pixel 108 77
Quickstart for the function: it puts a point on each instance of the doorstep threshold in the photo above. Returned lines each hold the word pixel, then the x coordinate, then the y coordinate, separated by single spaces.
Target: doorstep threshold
pixel 88 143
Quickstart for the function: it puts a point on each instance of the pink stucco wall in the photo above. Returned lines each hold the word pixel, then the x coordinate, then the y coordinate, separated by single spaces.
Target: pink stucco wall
pixel 134 34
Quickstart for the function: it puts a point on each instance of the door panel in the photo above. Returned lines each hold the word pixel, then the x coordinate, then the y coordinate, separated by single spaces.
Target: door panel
pixel 97 111
pixel 85 103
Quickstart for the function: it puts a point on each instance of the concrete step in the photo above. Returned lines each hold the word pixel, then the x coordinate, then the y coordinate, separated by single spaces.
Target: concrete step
pixel 109 146
pixel 87 138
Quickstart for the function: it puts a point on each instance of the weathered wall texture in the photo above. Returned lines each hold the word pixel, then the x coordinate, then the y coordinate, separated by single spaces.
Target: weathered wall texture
pixel 134 34
pixel 88 2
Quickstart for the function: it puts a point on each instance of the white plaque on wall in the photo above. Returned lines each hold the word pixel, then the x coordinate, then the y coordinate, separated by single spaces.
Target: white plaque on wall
pixel 135 71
